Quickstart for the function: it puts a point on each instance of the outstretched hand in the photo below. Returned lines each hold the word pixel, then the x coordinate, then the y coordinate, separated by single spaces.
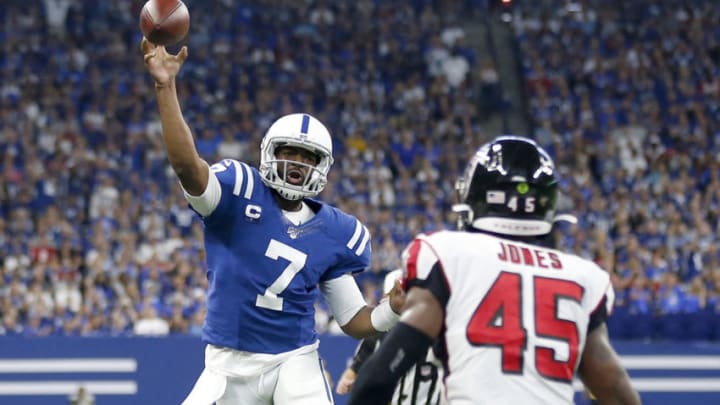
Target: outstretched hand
pixel 163 66
pixel 346 382
pixel 397 297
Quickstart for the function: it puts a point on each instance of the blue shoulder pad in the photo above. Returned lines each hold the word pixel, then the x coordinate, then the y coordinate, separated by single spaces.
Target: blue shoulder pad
pixel 358 250
pixel 236 179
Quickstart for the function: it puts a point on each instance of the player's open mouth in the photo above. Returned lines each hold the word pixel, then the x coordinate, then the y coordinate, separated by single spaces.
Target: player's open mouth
pixel 295 176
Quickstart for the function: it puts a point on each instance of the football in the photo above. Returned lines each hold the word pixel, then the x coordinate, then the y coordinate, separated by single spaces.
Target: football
pixel 164 22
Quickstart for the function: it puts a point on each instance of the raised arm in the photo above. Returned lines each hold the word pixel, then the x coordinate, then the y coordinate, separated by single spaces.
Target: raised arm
pixel 190 168
pixel 602 373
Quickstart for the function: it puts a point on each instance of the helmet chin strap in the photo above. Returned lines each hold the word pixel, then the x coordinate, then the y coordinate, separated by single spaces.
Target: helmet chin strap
pixel 288 195
pixel 464 215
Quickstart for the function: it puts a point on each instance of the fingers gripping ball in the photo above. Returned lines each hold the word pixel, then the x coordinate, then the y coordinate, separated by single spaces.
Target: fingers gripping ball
pixel 164 22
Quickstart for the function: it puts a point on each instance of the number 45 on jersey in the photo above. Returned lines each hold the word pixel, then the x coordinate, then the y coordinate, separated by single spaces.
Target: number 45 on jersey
pixel 498 321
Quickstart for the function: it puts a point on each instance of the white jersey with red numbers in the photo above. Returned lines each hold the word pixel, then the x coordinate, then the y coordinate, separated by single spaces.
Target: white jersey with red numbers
pixel 517 315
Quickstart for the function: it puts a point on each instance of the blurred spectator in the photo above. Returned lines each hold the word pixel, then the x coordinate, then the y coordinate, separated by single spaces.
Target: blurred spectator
pixel 455 68
pixel 56 12
pixel 639 297
pixel 82 397
pixel 490 91
pixel 150 324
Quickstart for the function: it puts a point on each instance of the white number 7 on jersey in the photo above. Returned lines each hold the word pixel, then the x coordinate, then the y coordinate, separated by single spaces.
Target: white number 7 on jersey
pixel 275 250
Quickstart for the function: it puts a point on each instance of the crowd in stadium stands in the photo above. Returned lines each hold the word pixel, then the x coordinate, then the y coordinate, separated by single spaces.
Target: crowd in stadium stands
pixel 626 95
pixel 97 239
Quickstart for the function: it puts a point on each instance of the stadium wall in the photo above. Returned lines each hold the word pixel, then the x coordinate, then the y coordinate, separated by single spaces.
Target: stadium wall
pixel 43 371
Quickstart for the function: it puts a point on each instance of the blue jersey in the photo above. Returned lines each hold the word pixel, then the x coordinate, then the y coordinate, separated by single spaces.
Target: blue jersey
pixel 263 271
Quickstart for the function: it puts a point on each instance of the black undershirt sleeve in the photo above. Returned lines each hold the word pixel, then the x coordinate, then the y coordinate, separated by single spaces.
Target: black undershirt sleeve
pixel 598 316
pixel 367 347
pixel 401 349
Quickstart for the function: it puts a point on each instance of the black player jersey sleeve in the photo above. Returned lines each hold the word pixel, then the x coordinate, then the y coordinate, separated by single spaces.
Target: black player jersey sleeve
pixel 598 316
pixel 424 269
pixel 435 283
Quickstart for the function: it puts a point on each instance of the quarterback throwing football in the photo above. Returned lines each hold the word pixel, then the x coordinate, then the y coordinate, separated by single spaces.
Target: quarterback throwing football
pixel 270 249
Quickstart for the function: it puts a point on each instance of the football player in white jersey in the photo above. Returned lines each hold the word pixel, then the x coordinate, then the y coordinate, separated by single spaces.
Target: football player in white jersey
pixel 271 250
pixel 422 385
pixel 518 320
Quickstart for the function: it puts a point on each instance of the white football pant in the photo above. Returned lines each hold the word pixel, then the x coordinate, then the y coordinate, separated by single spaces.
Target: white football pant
pixel 299 380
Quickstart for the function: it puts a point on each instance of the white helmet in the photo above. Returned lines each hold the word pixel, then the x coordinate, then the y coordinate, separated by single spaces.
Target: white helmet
pixel 301 131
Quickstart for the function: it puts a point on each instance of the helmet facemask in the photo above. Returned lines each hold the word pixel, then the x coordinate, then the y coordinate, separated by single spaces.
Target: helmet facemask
pixel 298 131
pixel 274 171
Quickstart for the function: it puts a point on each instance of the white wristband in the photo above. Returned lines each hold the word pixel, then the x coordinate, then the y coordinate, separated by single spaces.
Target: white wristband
pixel 382 317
